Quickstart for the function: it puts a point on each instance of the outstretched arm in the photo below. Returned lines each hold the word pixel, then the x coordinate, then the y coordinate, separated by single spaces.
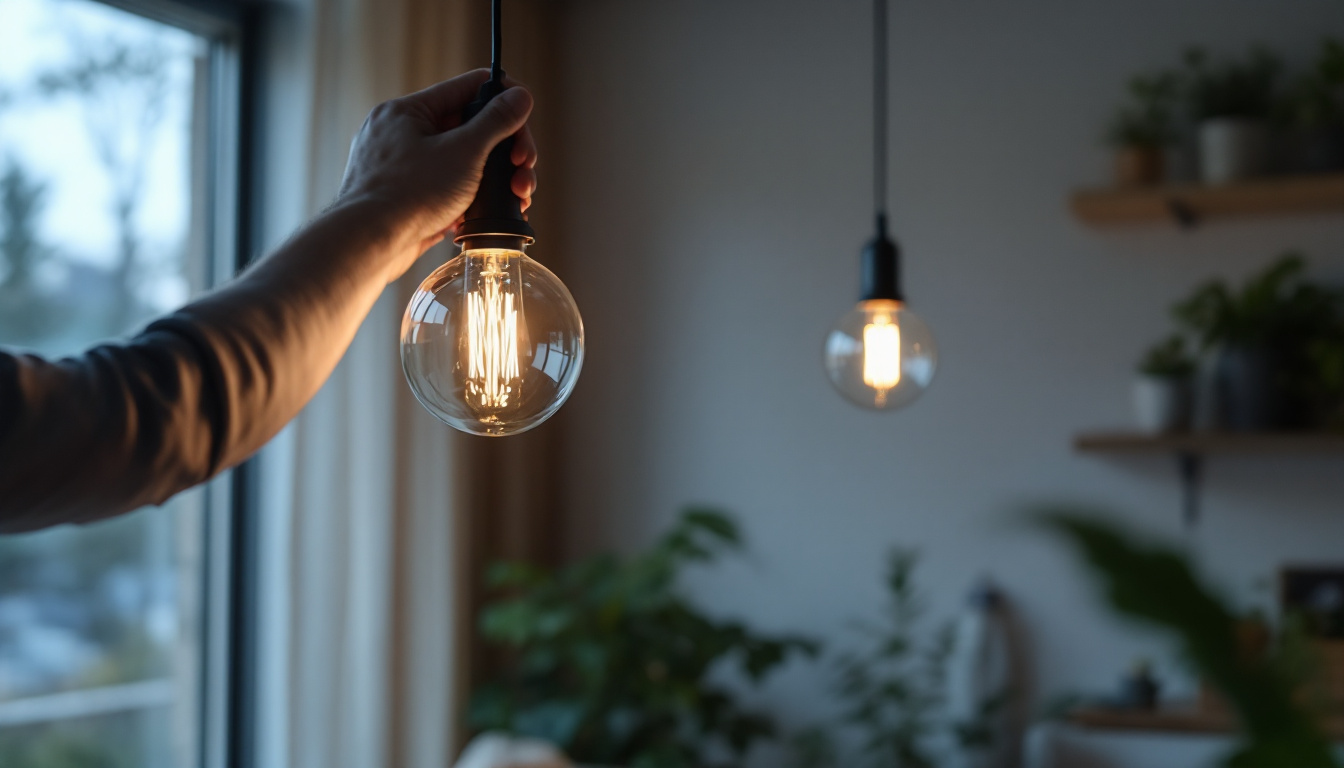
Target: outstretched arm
pixel 125 425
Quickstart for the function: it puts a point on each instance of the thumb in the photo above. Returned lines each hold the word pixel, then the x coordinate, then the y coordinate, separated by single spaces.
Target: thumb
pixel 502 117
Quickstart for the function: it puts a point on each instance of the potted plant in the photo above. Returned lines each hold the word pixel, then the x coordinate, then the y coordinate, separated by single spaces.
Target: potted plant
pixel 610 662
pixel 1324 385
pixel 1142 130
pixel 1231 103
pixel 899 702
pixel 1164 387
pixel 1157 584
pixel 1258 343
pixel 1313 115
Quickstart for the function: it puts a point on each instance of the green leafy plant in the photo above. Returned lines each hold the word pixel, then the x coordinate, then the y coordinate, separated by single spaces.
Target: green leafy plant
pixel 1168 359
pixel 1146 120
pixel 1246 88
pixel 1278 304
pixel 1324 387
pixel 893 690
pixel 1156 584
pixel 1316 98
pixel 611 662
pixel 1280 310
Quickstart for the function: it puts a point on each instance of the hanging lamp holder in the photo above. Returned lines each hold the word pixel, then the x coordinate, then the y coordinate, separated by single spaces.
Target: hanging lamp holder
pixel 495 218
pixel 880 268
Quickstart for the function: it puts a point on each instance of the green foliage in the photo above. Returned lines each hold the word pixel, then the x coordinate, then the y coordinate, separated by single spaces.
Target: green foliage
pixel 1324 383
pixel 1276 305
pixel 1247 88
pixel 892 692
pixel 611 662
pixel 813 748
pixel 1316 98
pixel 1168 359
pixel 26 313
pixel 1146 120
pixel 1279 309
pixel 99 742
pixel 1156 584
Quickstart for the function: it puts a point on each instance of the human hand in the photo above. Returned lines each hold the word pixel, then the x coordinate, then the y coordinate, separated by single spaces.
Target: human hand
pixel 415 162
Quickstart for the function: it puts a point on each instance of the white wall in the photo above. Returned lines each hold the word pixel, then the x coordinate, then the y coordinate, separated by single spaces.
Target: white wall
pixel 717 191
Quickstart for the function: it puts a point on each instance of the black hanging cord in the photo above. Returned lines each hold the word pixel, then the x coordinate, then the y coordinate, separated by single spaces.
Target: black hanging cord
pixel 880 110
pixel 496 41
pixel 495 218
pixel 880 272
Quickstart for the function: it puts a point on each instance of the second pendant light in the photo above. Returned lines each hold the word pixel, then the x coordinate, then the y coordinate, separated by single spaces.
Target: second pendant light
pixel 880 355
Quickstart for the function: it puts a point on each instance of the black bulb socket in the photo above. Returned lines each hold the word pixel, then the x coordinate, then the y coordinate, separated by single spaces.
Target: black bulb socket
pixel 495 218
pixel 880 269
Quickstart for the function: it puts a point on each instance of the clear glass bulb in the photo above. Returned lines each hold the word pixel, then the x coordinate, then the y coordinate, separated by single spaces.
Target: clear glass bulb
pixel 492 342
pixel 880 355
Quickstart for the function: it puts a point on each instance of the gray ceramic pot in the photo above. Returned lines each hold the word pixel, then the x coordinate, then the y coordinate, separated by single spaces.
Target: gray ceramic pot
pixel 1247 397
pixel 1163 403
pixel 1233 149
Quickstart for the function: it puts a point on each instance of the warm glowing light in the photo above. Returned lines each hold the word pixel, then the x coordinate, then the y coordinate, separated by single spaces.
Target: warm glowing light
pixel 881 355
pixel 492 338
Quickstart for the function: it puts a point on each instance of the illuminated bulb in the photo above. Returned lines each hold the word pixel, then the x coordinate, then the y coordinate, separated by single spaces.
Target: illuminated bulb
pixel 492 342
pixel 880 355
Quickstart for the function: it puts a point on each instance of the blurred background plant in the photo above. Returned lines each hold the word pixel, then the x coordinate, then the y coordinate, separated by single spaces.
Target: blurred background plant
pixel 1143 128
pixel 1245 87
pixel 1168 359
pixel 1147 119
pixel 1291 326
pixel 27 312
pixel 1156 584
pixel 1316 97
pixel 893 692
pixel 609 661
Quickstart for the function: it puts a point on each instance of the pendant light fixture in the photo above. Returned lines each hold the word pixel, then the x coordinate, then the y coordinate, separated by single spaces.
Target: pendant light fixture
pixel 492 341
pixel 880 355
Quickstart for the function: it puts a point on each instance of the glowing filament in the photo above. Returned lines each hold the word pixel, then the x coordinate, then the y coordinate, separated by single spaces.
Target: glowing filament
pixel 881 355
pixel 492 341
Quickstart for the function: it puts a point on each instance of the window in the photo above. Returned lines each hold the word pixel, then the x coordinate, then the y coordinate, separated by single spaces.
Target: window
pixel 117 166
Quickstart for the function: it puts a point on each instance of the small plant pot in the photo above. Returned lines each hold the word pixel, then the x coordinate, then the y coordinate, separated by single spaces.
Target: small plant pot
pixel 1139 166
pixel 1319 149
pixel 1140 691
pixel 1233 149
pixel 1163 403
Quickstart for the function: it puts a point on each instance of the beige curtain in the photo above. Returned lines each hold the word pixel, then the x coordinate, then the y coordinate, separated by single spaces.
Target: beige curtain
pixel 378 520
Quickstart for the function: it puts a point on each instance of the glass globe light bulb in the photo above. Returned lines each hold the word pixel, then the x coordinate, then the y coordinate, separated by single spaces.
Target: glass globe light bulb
pixel 880 355
pixel 492 342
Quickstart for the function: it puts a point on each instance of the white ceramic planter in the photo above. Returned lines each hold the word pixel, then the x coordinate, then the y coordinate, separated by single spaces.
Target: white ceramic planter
pixel 1232 149
pixel 1162 404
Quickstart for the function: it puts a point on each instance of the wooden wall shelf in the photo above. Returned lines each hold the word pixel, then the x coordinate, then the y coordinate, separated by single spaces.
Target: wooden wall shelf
pixel 1190 449
pixel 1210 442
pixel 1187 204
pixel 1176 720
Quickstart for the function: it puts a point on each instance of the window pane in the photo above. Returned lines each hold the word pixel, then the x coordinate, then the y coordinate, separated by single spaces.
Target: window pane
pixel 102 227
